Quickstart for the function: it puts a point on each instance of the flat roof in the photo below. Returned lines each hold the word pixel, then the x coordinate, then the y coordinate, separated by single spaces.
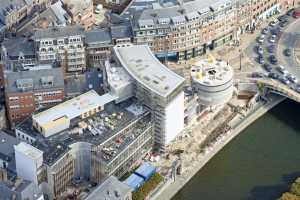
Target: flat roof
pixel 28 150
pixel 57 145
pixel 144 67
pixel 117 76
pixel 7 143
pixel 211 72
pixel 111 189
pixel 59 32
pixel 74 107
pixel 35 77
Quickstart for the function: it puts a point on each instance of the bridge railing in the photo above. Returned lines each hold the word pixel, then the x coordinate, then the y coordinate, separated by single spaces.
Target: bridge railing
pixel 277 86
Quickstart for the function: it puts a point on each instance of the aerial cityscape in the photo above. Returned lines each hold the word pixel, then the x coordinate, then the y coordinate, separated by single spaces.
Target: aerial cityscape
pixel 149 99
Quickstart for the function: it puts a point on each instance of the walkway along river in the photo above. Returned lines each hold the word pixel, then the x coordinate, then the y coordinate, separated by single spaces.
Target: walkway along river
pixel 258 164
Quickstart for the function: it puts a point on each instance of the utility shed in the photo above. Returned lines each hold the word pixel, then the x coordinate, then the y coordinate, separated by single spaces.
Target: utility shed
pixel 134 181
pixel 146 170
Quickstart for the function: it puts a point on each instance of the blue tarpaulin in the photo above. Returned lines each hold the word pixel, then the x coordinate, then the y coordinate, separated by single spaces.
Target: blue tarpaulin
pixel 146 170
pixel 134 181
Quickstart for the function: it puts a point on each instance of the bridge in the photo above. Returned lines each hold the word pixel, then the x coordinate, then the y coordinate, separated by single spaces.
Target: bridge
pixel 273 86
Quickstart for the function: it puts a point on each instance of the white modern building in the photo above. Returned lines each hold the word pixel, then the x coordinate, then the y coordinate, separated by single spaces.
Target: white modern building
pixel 118 82
pixel 58 118
pixel 157 87
pixel 29 161
pixel 213 81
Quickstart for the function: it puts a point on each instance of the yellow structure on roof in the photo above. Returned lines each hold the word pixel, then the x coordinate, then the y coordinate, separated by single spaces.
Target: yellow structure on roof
pixel 210 59
pixel 199 76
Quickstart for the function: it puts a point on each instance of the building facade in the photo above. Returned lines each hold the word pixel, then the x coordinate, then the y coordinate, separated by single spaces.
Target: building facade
pixel 192 28
pixel 12 12
pixel 81 12
pixel 27 91
pixel 62 44
pixel 97 51
pixel 155 86
pixel 108 142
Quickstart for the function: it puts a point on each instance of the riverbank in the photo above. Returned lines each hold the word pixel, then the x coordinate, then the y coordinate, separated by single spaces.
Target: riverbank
pixel 293 193
pixel 238 124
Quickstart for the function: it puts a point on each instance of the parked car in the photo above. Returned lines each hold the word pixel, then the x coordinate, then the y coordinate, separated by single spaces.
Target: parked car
pixel 271 48
pixel 257 75
pixel 260 39
pixel 267 67
pixel 274 22
pixel 296 13
pixel 276 31
pixel 283 18
pixel 283 24
pixel 273 75
pixel 287 52
pixel 264 31
pixel 273 59
pixel 261 59
pixel 272 38
pixel 285 80
pixel 282 71
pixel 292 78
pixel 260 50
pixel 290 12
pixel 98 9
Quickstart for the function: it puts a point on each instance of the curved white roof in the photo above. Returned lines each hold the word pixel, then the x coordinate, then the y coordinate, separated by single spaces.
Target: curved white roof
pixel 144 67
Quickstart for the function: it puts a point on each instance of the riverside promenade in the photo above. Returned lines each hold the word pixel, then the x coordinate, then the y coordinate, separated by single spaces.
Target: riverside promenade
pixel 238 124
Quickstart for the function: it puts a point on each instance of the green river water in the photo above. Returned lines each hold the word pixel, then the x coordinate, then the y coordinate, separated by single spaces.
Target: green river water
pixel 258 164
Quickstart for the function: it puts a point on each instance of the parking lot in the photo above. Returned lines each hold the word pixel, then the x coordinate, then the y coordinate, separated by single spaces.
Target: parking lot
pixel 273 50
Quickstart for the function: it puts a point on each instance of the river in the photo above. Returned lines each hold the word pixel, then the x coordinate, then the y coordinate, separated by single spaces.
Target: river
pixel 259 164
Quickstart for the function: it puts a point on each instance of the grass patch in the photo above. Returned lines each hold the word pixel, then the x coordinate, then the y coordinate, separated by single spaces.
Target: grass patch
pixel 144 191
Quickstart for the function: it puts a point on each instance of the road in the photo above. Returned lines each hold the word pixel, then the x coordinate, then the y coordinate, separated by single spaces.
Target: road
pixel 289 39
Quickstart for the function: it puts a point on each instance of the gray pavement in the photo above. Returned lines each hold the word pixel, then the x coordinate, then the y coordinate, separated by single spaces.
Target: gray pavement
pixel 289 39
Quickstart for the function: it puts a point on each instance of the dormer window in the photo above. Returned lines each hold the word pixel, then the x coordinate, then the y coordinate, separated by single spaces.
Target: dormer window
pixel 47 81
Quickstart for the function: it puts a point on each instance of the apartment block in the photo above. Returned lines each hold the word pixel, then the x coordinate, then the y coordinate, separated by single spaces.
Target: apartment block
pixel 81 12
pixel 27 91
pixel 62 44
pixel 98 50
pixel 86 143
pixel 12 12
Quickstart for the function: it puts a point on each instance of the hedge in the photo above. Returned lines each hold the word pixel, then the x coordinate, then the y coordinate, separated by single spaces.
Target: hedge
pixel 147 187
